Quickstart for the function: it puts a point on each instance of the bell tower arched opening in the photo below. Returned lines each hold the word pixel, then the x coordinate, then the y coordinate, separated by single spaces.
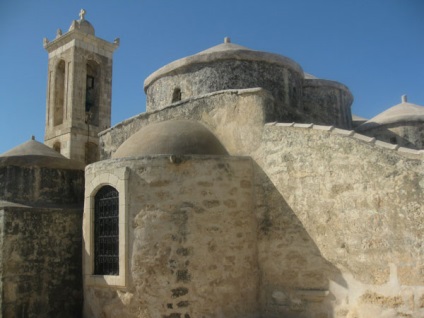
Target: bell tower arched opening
pixel 79 90
pixel 59 93
pixel 92 91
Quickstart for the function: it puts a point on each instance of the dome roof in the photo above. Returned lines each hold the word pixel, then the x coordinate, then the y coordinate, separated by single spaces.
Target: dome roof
pixel 173 137
pixel 403 112
pixel 309 76
pixel 33 153
pixel 223 51
pixel 82 24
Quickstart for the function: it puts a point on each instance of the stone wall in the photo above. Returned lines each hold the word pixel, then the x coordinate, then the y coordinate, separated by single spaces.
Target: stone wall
pixel 284 83
pixel 68 125
pixel 339 214
pixel 326 103
pixel 340 226
pixel 44 187
pixel 41 262
pixel 191 239
pixel 236 117
pixel 404 134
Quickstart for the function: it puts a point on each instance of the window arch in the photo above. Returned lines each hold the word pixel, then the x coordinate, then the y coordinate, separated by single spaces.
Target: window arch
pixel 57 146
pixel 92 92
pixel 96 185
pixel 59 93
pixel 106 231
pixel 176 95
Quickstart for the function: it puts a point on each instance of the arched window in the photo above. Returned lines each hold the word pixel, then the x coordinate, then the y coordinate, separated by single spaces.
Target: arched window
pixel 59 93
pixel 56 146
pixel 176 95
pixel 106 231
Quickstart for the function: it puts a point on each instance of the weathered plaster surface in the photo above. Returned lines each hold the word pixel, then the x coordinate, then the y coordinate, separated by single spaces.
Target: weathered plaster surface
pixel 41 262
pixel 341 215
pixel 44 187
pixel 236 117
pixel 284 84
pixel 191 240
pixel 338 214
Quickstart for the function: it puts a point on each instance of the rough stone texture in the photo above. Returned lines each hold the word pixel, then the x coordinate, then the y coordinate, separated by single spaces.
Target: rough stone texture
pixel 341 215
pixel 191 240
pixel 284 84
pixel 40 262
pixel 326 103
pixel 45 187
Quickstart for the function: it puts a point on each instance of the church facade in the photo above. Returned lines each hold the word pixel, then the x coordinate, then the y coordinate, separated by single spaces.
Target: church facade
pixel 246 189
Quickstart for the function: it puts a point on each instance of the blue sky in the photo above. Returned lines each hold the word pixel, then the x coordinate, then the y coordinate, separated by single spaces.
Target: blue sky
pixel 375 47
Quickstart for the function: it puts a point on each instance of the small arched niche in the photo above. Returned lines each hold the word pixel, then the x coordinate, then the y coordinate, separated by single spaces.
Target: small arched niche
pixel 57 146
pixel 176 95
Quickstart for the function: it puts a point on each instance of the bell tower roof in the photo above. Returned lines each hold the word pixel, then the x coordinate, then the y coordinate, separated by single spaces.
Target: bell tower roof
pixel 82 24
pixel 83 32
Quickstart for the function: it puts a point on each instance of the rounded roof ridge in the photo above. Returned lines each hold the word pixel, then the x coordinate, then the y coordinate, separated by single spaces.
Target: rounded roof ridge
pixel 34 153
pixel 402 112
pixel 171 137
pixel 223 51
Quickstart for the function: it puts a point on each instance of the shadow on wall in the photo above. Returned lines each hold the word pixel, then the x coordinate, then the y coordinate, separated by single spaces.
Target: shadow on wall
pixel 295 277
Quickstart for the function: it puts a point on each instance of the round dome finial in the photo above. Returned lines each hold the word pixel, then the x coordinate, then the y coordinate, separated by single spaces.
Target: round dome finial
pixel 227 40
pixel 404 98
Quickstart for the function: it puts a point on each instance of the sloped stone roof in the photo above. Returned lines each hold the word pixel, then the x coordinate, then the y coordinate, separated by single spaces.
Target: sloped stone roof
pixel 34 153
pixel 403 112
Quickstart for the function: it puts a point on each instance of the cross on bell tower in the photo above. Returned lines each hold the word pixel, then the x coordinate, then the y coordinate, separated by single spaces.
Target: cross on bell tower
pixel 79 90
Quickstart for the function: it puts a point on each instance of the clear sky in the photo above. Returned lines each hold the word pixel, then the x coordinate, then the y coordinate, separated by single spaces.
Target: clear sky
pixel 375 47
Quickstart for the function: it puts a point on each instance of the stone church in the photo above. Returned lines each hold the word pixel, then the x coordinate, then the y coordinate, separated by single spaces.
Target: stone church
pixel 247 189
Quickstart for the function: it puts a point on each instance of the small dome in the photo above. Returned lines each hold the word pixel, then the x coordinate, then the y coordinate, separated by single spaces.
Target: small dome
pixel 173 137
pixel 33 153
pixel 82 24
pixel 403 112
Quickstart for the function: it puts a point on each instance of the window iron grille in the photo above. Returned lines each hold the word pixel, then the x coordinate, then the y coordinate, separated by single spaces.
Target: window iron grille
pixel 106 231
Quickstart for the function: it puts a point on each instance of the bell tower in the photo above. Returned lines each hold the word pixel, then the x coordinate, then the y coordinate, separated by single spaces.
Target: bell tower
pixel 79 91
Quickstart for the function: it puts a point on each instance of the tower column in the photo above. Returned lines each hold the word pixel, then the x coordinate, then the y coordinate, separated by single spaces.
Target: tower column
pixel 79 90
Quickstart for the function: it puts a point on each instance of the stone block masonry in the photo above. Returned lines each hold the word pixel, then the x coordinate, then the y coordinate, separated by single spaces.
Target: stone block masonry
pixel 41 262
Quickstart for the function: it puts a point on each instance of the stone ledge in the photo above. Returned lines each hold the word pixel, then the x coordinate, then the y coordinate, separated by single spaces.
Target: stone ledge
pixel 367 139
pixel 314 295
pixel 355 135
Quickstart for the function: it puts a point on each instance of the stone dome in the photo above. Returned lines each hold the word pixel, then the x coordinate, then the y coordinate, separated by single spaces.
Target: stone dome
pixel 223 67
pixel 35 154
pixel 400 113
pixel 173 137
pixel 83 26
pixel 223 51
